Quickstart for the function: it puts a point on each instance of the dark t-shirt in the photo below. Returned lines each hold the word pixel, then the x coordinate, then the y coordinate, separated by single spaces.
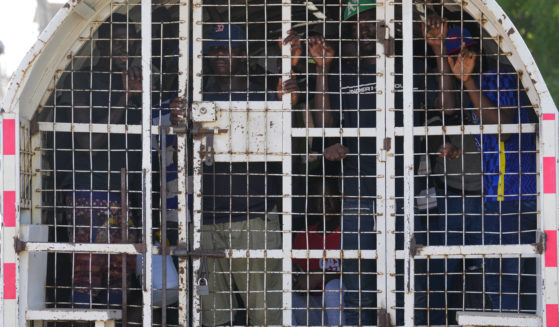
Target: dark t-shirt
pixel 357 91
pixel 237 190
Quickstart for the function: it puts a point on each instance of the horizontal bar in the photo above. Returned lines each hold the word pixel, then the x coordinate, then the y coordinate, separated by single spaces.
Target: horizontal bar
pixel 135 249
pixel 497 319
pixel 417 131
pixel 527 250
pixel 101 128
pixel 74 314
pixel 481 250
pixel 303 254
pixel 95 248
pixel 303 132
pixel 469 129
pixel 333 132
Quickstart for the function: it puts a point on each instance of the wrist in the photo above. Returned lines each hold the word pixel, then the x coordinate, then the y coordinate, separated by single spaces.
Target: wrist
pixel 469 83
pixel 323 69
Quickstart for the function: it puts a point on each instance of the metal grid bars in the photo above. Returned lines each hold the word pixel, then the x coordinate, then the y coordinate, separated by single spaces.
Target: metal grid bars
pixel 97 154
pixel 468 219
pixel 279 162
pixel 241 151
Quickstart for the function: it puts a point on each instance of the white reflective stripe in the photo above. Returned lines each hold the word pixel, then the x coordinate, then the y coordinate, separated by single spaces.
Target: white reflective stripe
pixel 497 319
pixel 146 162
pixel 409 171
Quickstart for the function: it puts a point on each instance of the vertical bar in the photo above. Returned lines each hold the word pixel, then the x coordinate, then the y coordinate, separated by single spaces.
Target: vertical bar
pixel 197 161
pixel 124 239
pixel 182 168
pixel 384 207
pixel 547 272
pixel 286 169
pixel 392 210
pixel 146 162
pixel 12 299
pixel 409 271
pixel 163 208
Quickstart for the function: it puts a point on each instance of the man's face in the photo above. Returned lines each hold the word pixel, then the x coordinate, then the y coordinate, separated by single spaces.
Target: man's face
pixel 221 62
pixel 119 51
pixel 365 30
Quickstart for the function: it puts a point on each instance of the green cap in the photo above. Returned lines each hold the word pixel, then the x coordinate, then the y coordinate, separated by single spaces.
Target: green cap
pixel 358 5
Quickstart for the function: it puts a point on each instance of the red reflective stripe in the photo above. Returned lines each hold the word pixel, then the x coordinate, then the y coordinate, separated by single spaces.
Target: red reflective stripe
pixel 9 281
pixel 9 136
pixel 548 116
pixel 552 315
pixel 549 175
pixel 9 208
pixel 551 249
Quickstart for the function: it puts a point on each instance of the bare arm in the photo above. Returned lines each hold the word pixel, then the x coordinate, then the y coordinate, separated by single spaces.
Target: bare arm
pixel 322 54
pixel 434 34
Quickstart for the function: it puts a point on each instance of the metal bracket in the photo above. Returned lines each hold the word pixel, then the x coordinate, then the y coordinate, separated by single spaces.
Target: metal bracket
pixel 414 247
pixel 384 318
pixel 203 112
pixel 541 246
pixel 207 151
pixel 383 35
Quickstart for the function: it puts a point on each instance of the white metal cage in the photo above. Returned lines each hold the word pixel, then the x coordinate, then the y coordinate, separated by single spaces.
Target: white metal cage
pixel 286 163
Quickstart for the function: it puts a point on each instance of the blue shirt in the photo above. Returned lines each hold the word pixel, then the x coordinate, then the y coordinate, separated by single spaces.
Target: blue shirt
pixel 509 167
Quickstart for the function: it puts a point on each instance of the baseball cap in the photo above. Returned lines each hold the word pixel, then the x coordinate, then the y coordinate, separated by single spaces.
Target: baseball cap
pixel 221 34
pixel 358 5
pixel 455 37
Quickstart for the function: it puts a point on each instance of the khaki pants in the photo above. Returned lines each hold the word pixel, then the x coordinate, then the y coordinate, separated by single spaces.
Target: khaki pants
pixel 257 281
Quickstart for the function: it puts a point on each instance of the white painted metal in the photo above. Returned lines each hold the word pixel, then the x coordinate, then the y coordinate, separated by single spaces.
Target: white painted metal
pixel 497 319
pixel 471 250
pixel 147 222
pixel 385 206
pixel 417 131
pixel 409 171
pixel 31 80
pixel 196 159
pixel 246 128
pixel 389 234
pixel 286 169
pixel 74 314
pixel 184 186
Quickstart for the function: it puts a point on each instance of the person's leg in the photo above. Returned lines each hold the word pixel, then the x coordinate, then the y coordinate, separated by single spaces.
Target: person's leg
pixel 307 310
pixel 263 299
pixel 502 227
pixel 216 306
pixel 359 276
pixel 89 269
pixel 333 303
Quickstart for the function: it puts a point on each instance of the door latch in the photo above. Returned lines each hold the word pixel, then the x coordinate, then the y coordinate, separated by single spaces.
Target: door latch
pixel 207 151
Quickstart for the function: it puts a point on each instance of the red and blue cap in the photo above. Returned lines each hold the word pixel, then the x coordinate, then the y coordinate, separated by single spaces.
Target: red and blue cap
pixel 455 37
pixel 225 35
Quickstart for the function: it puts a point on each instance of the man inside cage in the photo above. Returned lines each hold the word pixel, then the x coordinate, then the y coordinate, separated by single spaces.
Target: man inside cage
pixel 493 96
pixel 317 286
pixel 240 200
pixel 347 99
pixel 103 93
